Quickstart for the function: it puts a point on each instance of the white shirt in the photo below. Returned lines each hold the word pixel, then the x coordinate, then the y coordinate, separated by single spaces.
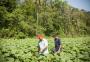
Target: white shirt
pixel 43 44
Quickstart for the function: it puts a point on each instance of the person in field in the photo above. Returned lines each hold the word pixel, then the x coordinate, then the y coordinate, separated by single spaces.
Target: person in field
pixel 42 45
pixel 57 43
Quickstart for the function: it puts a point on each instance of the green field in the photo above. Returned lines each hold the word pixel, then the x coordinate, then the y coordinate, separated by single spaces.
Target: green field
pixel 25 50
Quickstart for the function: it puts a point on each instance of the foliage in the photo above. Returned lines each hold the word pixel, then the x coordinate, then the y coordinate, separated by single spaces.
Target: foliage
pixel 49 17
pixel 25 50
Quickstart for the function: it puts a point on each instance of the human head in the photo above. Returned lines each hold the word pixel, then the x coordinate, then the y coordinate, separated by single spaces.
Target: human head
pixel 39 36
pixel 56 37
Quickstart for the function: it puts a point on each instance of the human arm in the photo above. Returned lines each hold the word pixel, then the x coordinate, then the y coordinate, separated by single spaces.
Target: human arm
pixel 43 49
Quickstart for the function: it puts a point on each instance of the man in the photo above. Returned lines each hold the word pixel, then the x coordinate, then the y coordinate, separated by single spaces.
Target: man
pixel 42 45
pixel 57 42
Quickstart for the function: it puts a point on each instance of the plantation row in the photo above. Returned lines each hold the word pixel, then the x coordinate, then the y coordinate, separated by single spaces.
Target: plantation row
pixel 25 50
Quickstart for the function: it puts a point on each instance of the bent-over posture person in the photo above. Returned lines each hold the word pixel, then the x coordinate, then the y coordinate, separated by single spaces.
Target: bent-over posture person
pixel 57 42
pixel 42 45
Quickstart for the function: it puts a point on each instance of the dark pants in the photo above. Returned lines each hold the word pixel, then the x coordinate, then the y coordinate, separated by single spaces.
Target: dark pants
pixel 57 49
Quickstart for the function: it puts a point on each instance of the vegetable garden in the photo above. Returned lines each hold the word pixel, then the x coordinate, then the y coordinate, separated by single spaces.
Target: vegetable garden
pixel 25 50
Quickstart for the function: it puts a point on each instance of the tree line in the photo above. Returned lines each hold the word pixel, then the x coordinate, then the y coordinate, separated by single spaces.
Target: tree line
pixel 48 17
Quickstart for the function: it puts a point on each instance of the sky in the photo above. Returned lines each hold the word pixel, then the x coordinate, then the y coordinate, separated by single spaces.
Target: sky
pixel 81 4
